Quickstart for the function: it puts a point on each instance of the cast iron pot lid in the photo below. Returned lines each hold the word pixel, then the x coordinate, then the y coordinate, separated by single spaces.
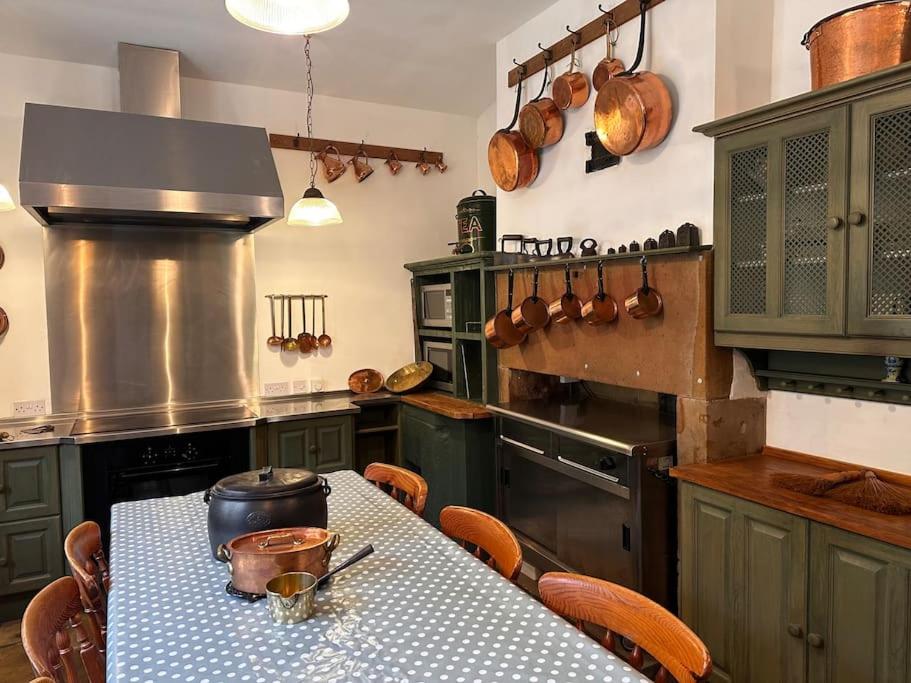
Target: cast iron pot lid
pixel 265 483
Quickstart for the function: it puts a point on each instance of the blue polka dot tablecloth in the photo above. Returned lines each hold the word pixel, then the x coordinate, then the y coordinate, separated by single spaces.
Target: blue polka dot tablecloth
pixel 419 609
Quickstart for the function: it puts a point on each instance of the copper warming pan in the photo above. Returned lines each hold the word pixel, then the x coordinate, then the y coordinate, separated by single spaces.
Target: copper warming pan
pixel 859 40
pixel 254 559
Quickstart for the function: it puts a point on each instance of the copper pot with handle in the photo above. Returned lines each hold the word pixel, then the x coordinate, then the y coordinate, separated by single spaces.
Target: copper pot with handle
pixel 645 302
pixel 633 110
pixel 541 121
pixel 601 308
pixel 532 313
pixel 500 330
pixel 610 66
pixel 513 162
pixel 571 89
pixel 568 307
pixel 254 559
pixel 859 40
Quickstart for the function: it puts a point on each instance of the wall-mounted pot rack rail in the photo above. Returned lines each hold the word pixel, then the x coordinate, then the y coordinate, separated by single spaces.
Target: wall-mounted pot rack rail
pixel 545 263
pixel 403 154
pixel 592 31
pixel 297 297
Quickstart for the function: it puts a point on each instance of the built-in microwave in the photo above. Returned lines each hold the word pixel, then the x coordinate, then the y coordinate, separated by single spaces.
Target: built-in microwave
pixel 439 353
pixel 435 305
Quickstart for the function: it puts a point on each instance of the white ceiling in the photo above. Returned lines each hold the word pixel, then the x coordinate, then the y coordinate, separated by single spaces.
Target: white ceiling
pixel 427 54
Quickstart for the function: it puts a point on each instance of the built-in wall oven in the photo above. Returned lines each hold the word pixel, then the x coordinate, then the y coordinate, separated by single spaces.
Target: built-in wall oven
pixel 584 503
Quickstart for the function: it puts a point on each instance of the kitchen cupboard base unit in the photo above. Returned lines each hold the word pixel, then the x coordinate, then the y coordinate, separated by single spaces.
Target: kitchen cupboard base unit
pixel 319 445
pixel 455 457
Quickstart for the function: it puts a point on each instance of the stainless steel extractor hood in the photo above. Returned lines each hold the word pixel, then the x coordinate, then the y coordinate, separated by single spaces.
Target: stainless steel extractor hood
pixel 84 166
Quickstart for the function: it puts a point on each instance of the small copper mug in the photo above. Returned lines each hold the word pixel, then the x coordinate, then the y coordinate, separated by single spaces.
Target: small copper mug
pixel 291 597
pixel 362 169
pixel 333 168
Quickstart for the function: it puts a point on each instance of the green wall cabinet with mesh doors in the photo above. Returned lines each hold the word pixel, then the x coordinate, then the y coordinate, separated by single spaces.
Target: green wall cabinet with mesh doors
pixel 813 220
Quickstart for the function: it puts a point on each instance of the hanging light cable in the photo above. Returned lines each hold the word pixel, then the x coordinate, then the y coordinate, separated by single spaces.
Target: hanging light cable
pixel 313 208
pixel 289 17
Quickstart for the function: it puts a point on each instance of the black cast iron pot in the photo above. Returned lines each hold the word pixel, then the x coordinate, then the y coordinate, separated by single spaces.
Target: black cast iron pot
pixel 265 499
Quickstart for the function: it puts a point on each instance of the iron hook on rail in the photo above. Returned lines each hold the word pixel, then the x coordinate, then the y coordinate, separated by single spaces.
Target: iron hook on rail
pixel 577 36
pixel 548 53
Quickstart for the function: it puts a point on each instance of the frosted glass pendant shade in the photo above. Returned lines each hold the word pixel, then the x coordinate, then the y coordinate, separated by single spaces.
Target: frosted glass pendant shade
pixel 313 209
pixel 6 201
pixel 289 17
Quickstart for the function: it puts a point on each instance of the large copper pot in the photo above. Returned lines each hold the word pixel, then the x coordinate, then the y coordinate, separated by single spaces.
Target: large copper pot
pixel 513 162
pixel 633 110
pixel 859 40
pixel 254 559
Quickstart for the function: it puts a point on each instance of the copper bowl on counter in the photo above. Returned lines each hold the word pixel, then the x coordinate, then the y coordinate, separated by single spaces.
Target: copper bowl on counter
pixel 858 41
pixel 255 559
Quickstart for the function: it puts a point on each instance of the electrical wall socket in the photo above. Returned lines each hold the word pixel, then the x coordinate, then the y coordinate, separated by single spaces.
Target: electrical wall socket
pixel 302 386
pixel 317 385
pixel 275 389
pixel 29 408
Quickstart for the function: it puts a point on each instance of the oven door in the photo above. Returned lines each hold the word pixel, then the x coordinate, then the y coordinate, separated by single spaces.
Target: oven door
pixel 158 481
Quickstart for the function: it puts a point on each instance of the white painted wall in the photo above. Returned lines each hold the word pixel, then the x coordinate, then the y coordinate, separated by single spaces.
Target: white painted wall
pixel 647 192
pixel 388 221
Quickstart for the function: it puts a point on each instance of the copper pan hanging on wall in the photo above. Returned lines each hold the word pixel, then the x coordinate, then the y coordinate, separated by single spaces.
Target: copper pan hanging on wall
pixel 513 162
pixel 633 110
pixel 541 121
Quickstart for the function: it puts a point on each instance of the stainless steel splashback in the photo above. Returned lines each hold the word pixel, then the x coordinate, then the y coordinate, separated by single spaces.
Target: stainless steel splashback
pixel 144 317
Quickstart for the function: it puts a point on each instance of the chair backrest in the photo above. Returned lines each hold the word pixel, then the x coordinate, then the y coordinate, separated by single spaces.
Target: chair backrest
pixel 493 542
pixel 50 621
pixel 405 486
pixel 85 555
pixel 623 612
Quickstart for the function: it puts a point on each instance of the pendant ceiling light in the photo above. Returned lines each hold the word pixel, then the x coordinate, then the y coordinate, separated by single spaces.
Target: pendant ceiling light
pixel 6 201
pixel 313 208
pixel 289 17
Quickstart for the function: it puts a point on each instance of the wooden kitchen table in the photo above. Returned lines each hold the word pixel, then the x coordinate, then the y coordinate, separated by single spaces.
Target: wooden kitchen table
pixel 419 609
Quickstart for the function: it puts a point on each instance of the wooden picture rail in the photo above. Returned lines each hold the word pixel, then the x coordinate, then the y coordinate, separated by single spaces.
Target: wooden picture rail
pixel 596 28
pixel 349 149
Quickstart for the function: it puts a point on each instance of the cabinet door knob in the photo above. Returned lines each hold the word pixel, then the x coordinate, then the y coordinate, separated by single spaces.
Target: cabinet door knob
pixel 815 640
pixel 795 630
pixel 834 223
pixel 313 448
pixel 856 218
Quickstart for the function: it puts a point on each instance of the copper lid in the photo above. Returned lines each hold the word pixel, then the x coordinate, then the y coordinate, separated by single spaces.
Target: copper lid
pixel 279 541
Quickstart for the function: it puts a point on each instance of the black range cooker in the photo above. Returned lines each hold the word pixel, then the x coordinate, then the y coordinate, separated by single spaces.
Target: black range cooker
pixel 585 487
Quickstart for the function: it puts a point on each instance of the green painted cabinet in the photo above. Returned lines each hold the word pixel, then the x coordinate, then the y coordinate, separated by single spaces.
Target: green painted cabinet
pixel 320 444
pixel 29 483
pixel 31 554
pixel 813 220
pixel 455 457
pixel 776 597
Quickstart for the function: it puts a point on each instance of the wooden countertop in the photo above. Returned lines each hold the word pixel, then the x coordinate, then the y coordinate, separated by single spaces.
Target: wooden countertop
pixel 750 478
pixel 448 406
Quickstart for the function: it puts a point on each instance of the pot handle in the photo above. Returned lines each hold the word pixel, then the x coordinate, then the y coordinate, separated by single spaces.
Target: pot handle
pixel 326 488
pixel 332 542
pixel 279 539
pixel 207 496
pixel 223 554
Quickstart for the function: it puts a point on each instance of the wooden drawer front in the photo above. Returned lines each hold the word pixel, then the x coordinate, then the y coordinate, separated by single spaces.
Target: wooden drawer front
pixel 31 554
pixel 29 484
pixel 525 435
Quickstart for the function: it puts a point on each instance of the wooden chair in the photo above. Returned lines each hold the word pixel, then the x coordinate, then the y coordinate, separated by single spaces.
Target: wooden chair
pixel 405 486
pixel 85 555
pixel 49 620
pixel 493 542
pixel 625 613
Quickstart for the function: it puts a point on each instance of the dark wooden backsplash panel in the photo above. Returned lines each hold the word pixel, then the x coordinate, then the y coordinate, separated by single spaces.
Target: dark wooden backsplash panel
pixel 672 353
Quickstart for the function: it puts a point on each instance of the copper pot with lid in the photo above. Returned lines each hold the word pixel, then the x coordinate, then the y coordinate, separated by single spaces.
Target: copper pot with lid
pixel 513 162
pixel 540 120
pixel 254 559
pixel 633 110
pixel 859 40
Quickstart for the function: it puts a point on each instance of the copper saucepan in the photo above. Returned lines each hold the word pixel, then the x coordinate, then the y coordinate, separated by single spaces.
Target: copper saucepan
pixel 513 162
pixel 633 110
pixel 645 302
pixel 610 66
pixel 571 89
pixel 540 121
pixel 500 330
pixel 532 313
pixel 254 559
pixel 567 307
pixel 601 308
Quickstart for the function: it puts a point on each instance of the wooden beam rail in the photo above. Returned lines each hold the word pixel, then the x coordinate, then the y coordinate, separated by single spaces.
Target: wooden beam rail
pixel 349 149
pixel 596 28
pixel 557 262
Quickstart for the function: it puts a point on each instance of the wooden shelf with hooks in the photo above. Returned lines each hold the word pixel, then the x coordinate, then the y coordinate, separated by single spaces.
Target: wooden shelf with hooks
pixel 592 31
pixel 349 149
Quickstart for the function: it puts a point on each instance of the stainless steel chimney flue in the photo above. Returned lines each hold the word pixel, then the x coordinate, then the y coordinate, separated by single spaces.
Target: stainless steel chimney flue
pixel 149 80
